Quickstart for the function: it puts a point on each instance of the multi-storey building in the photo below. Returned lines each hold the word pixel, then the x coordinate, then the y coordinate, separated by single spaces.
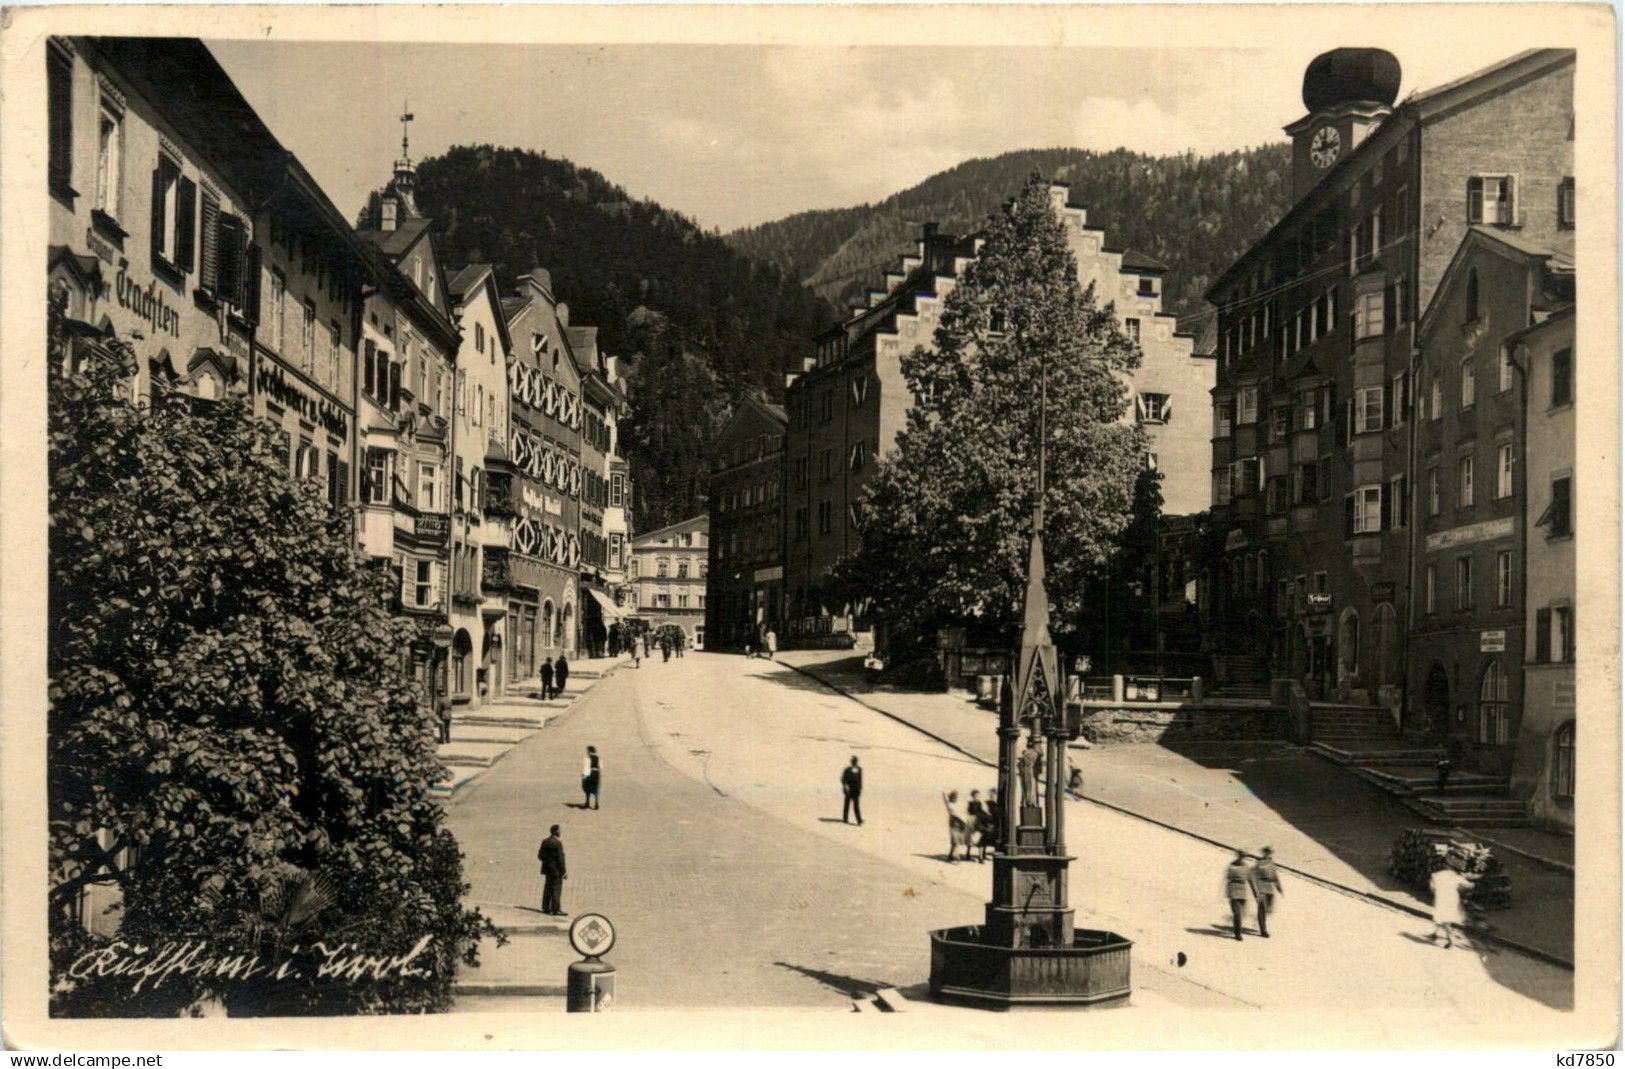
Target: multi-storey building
pixel 746 579
pixel 544 442
pixel 1466 626
pixel 850 401
pixel 618 519
pixel 601 403
pixel 1543 764
pixel 1312 456
pixel 668 573
pixel 479 536
pixel 409 348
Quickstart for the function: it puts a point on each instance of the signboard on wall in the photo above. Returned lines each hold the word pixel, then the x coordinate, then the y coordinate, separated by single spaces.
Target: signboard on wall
pixel 1381 592
pixel 1492 641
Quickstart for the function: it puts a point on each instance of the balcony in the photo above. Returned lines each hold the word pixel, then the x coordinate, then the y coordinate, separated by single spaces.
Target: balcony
pixel 496 570
pixel 499 495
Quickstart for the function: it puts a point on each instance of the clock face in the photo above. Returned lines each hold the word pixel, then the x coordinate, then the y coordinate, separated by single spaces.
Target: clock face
pixel 1323 149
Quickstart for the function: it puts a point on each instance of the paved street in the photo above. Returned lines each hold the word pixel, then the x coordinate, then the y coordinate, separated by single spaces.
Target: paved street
pixel 720 855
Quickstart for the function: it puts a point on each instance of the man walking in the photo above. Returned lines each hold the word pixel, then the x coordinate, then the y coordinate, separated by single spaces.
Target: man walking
pixel 590 772
pixel 546 672
pixel 551 855
pixel 852 788
pixel 561 675
pixel 1236 883
pixel 1266 885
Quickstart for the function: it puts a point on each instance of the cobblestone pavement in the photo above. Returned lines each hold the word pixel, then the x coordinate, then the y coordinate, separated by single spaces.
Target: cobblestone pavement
pixel 1318 818
pixel 721 856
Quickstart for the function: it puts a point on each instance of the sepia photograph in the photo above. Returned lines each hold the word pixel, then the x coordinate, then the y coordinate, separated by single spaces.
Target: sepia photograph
pixel 657 527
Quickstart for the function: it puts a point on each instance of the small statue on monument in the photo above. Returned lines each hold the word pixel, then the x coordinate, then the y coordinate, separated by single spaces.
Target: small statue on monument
pixel 1027 767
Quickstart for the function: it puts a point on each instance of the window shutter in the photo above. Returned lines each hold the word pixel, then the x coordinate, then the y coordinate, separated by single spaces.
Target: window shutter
pixel 185 224
pixel 408 576
pixel 231 266
pixel 342 493
pixel 251 285
pixel 1475 200
pixel 394 385
pixel 209 245
pixel 158 213
pixel 1348 421
pixel 1348 515
pixel 1543 636
pixel 1386 507
pixel 1568 637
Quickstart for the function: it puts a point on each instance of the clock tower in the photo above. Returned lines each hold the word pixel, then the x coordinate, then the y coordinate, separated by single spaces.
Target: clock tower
pixel 1348 92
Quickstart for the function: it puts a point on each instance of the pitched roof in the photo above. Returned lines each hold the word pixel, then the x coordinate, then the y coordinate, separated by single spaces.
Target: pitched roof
pixel 464 280
pixel 1135 260
pixel 396 242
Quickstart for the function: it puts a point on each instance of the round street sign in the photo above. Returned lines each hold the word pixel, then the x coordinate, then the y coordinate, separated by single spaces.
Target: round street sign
pixel 592 935
pixel 442 635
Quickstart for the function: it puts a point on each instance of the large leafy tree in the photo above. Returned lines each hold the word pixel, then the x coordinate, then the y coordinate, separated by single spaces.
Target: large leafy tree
pixel 948 516
pixel 234 741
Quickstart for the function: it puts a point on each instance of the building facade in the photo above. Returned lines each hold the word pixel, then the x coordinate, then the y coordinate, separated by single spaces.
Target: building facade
pixel 1543 770
pixel 544 442
pixel 407 385
pixel 1313 457
pixel 668 574
pixel 602 402
pixel 479 538
pixel 746 577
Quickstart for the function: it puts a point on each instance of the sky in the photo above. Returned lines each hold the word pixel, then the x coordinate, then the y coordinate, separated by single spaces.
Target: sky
pixel 734 135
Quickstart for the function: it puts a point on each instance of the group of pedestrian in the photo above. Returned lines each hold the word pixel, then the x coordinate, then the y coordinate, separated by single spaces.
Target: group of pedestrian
pixel 975 824
pixel 1261 880
pixel 551 852
pixel 767 645
pixel 554 675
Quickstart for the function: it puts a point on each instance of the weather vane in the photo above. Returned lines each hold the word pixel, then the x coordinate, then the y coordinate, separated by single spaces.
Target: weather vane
pixel 406 117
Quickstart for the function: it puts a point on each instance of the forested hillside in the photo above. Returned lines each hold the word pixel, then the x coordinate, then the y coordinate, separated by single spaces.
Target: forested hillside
pixel 700 324
pixel 1194 213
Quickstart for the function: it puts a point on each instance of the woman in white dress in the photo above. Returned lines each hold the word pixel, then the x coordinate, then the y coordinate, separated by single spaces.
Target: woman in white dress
pixel 1447 885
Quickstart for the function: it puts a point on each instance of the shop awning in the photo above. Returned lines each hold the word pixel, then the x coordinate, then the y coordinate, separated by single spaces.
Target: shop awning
pixel 611 610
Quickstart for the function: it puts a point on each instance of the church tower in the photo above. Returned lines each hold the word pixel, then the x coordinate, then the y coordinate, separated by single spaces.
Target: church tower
pixel 1348 93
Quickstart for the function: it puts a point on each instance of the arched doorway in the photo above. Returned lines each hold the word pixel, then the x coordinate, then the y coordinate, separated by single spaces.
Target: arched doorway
pixel 462 655
pixel 1436 700
pixel 548 621
pixel 1494 706
pixel 566 633
pixel 1387 646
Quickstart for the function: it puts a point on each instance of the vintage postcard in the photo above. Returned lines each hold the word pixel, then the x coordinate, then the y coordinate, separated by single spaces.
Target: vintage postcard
pixel 810 527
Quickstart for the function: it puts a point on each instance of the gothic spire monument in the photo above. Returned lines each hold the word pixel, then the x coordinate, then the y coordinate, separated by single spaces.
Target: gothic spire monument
pixel 1027 950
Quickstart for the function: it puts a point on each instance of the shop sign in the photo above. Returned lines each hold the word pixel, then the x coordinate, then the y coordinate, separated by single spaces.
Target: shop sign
pixel 276 386
pixel 1236 539
pixel 1472 532
pixel 1318 601
pixel 1492 641
pixel 769 575
pixel 432 526
pixel 147 302
pixel 441 635
pixel 1381 592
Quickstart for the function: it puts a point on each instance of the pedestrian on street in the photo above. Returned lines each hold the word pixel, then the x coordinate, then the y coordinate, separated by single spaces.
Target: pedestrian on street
pixel 981 824
pixel 771 643
pixel 442 716
pixel 646 643
pixel 1237 882
pixel 546 672
pixel 851 790
pixel 561 675
pixel 750 651
pixel 1266 885
pixel 551 855
pixel 665 648
pixel 995 817
pixel 590 773
pixel 958 827
pixel 1447 885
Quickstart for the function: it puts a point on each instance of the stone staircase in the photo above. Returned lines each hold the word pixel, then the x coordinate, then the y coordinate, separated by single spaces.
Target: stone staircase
pixel 1339 722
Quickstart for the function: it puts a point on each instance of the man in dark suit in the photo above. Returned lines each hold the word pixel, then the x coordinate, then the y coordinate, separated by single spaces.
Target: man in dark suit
pixel 852 787
pixel 551 855
pixel 561 675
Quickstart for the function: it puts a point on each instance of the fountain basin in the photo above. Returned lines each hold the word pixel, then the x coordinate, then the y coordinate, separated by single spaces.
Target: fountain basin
pixel 964 967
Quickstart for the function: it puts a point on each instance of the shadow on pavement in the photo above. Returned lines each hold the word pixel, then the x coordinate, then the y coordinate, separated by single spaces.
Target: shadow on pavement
pixel 1222 933
pixel 846 985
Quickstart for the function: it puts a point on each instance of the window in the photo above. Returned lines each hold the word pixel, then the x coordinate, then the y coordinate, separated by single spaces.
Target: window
pixel 1430 589
pixel 378 479
pixel 801 525
pixel 1543 636
pixel 1433 492
pixel 1494 718
pixel 1399 399
pixel 662 568
pixel 1503 578
pixel 617 490
pixel 1464 582
pixel 1563 761
pixel 1368 409
pixel 682 569
pixel 479 337
pixel 856 458
pixel 1306 483
pixel 1503 370
pixel 1152 407
pixel 1365 510
pixel 166 214
pixel 333 346
pixel 110 159
pixel 1563 633
pixel 306 461
pixel 1464 482
pixel 823 517
pixel 273 322
pixel 423 583
pixel 1280 423
pixel 1308 410
pixel 1131 327
pixel 824 466
pixel 1368 315
pixel 1503 471
pixel 1148 287
pixel 479 403
pixel 1562 377
pixel 1556 518
pixel 682 601
pixel 860 391
pixel 827 406
pixel 1396 504
pixel 1436 398
pixel 427 477
pixel 1467 391
pixel 307 337
pixel 59 71
pixel 1565 203
pixel 1402 299
pixel 1247 405
pixel 1491 199
pixel 1223 411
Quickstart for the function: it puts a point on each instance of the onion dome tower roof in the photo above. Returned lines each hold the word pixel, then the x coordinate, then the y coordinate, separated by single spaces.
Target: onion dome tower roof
pixel 1350 76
